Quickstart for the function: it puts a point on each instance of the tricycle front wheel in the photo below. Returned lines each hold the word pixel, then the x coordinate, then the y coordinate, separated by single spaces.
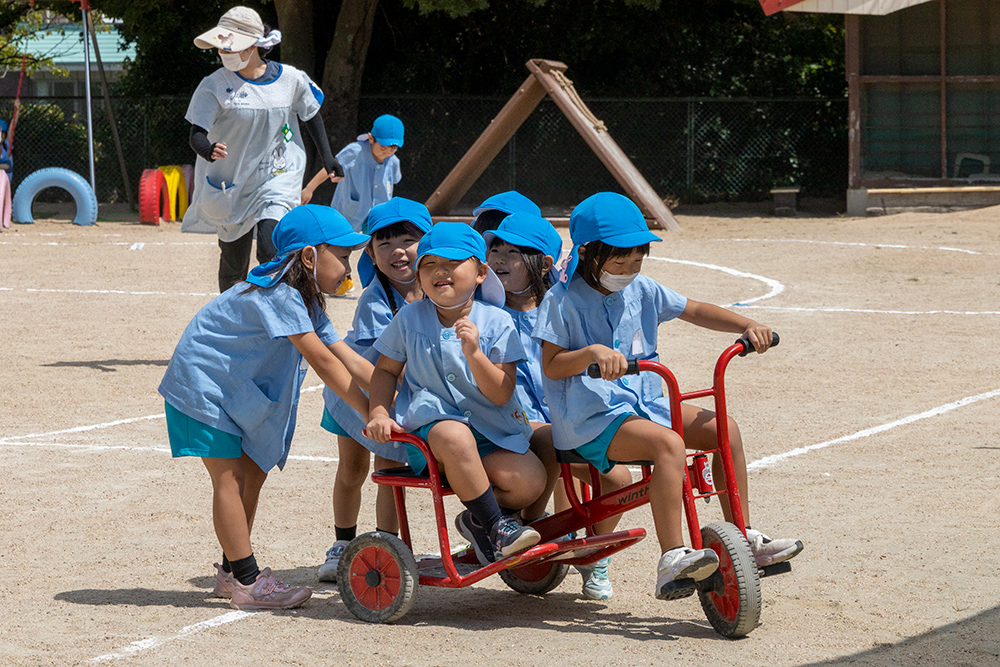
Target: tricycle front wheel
pixel 378 577
pixel 731 596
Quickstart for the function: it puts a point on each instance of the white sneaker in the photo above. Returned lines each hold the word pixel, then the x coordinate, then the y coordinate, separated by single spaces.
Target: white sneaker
pixel 328 570
pixel 679 569
pixel 768 552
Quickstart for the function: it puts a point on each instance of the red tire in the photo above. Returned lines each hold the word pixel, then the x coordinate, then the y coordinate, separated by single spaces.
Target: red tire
pixel 154 200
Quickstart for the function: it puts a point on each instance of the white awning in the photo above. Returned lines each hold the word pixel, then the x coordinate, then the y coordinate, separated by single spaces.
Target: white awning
pixel 879 7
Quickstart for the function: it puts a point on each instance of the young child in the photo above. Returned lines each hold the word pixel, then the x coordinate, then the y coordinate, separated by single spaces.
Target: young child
pixel 7 166
pixel 232 386
pixel 371 170
pixel 605 312
pixel 488 215
pixel 458 356
pixel 387 271
pixel 523 251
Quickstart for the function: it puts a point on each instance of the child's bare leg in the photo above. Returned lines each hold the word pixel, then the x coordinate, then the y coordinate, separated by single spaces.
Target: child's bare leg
pixel 454 448
pixel 541 445
pixel 385 505
pixel 234 502
pixel 640 439
pixel 352 470
pixel 517 479
pixel 701 432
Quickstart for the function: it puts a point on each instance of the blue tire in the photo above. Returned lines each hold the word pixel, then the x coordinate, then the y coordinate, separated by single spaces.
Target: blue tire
pixel 55 177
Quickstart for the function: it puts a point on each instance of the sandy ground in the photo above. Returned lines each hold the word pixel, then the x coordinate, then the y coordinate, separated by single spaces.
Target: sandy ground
pixel 879 409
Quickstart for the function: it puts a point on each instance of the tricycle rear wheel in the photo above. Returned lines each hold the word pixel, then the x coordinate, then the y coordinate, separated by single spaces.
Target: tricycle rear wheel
pixel 378 577
pixel 535 578
pixel 731 596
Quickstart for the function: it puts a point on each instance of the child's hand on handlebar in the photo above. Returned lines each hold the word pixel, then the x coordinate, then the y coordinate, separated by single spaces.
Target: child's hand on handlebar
pixel 381 429
pixel 759 336
pixel 612 363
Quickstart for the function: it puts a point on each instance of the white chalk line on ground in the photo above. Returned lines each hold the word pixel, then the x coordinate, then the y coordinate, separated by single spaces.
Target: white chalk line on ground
pixel 768 461
pixel 153 642
pixel 765 462
pixel 864 311
pixel 106 291
pixel 892 246
pixel 91 243
pixel 776 287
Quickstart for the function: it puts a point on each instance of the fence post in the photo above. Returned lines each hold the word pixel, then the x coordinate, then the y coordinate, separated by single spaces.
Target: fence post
pixel 690 144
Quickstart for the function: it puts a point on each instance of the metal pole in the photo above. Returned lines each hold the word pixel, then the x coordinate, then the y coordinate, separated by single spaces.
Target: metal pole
pixel 90 114
pixel 111 119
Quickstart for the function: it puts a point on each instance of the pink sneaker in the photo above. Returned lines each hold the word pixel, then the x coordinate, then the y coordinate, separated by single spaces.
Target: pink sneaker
pixel 267 592
pixel 223 583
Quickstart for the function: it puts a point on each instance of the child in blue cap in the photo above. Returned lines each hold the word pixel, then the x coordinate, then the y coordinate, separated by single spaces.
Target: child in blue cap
pixel 232 386
pixel 523 251
pixel 605 312
pixel 371 170
pixel 488 215
pixel 6 167
pixel 458 355
pixel 387 270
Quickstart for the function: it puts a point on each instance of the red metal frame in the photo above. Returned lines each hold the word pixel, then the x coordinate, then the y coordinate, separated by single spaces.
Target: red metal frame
pixel 584 512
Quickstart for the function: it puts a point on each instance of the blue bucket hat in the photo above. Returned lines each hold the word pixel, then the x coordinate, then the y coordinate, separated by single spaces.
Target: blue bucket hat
pixel 3 125
pixel 388 130
pixel 508 202
pixel 608 217
pixel 308 225
pixel 397 209
pixel 458 241
pixel 531 231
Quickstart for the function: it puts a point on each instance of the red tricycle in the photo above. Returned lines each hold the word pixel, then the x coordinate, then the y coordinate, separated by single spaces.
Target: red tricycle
pixel 379 575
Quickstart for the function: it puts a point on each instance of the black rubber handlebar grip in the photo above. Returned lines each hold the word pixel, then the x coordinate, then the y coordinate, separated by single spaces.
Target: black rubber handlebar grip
pixel 748 347
pixel 594 370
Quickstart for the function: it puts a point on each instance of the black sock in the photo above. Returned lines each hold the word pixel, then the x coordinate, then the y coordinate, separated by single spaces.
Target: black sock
pixel 388 532
pixel 485 509
pixel 245 570
pixel 226 567
pixel 346 533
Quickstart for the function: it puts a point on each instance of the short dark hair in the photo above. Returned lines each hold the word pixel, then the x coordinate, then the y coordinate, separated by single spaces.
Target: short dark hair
pixel 488 220
pixel 592 260
pixel 534 262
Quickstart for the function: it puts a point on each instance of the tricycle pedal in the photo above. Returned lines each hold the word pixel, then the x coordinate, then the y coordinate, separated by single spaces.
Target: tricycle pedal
pixel 776 568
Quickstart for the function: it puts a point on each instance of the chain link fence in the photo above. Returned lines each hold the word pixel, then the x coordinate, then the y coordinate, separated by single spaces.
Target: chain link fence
pixel 689 150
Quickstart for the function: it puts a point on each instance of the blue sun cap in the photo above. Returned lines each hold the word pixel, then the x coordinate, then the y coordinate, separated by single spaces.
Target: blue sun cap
pixel 508 202
pixel 397 209
pixel 388 131
pixel 309 225
pixel 531 231
pixel 458 241
pixel 608 217
pixel 3 125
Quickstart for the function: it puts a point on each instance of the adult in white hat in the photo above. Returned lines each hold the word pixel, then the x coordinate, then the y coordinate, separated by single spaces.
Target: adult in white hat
pixel 245 129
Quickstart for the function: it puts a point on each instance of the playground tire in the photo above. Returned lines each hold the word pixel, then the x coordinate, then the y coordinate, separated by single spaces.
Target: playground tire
pixel 55 177
pixel 154 198
pixel 378 578
pixel 731 596
pixel 535 578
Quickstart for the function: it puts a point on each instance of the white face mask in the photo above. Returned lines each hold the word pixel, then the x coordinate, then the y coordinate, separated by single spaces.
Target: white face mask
pixel 233 62
pixel 614 283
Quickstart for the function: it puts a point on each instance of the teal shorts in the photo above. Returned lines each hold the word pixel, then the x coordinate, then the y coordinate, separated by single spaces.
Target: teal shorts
pixel 190 437
pixel 331 425
pixel 596 451
pixel 415 458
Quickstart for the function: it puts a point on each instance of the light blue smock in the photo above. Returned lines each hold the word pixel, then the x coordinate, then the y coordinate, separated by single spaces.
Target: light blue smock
pixel 371 317
pixel 234 368
pixel 573 318
pixel 439 382
pixel 259 123
pixel 529 390
pixel 366 182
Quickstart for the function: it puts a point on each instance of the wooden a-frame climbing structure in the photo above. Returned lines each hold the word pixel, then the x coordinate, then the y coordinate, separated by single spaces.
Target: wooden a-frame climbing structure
pixel 547 78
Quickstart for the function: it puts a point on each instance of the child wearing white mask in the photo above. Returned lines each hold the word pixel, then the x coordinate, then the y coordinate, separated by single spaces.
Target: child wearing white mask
pixel 245 129
pixel 605 311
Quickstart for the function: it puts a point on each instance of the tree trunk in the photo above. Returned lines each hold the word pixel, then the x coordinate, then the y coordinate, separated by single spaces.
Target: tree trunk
pixel 345 64
pixel 295 20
